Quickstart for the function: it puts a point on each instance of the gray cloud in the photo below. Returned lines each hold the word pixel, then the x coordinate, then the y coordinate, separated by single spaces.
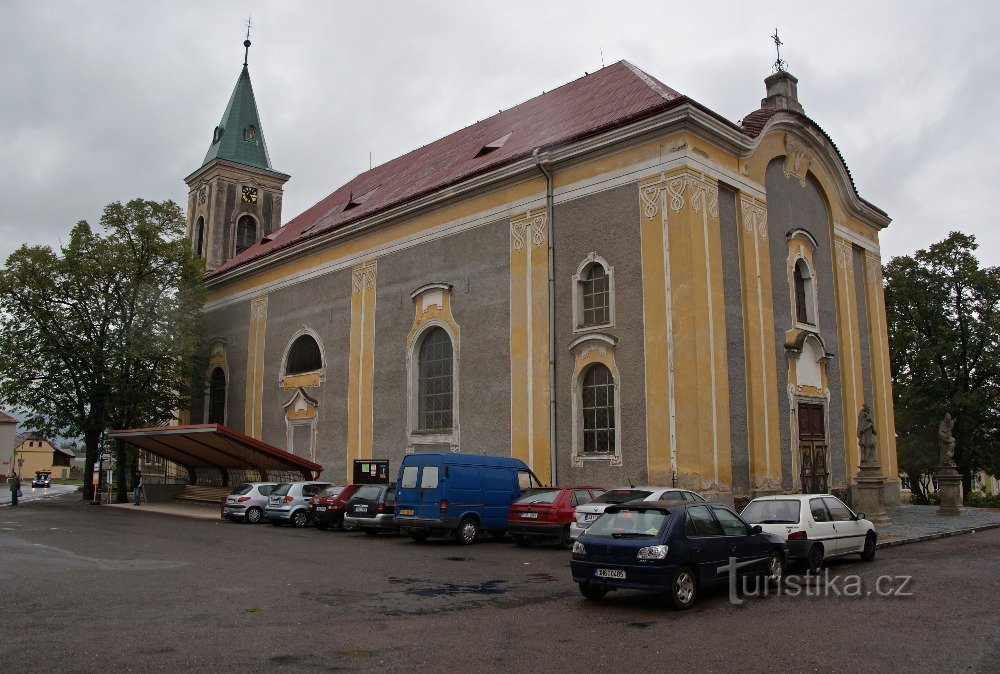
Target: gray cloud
pixel 118 102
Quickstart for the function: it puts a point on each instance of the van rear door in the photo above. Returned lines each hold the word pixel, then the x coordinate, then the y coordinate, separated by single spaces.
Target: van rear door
pixel 418 486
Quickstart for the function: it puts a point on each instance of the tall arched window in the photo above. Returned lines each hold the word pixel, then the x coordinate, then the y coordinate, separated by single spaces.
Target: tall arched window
pixel 804 310
pixel 435 381
pixel 246 233
pixel 304 356
pixel 596 296
pixel 598 410
pixel 199 237
pixel 217 397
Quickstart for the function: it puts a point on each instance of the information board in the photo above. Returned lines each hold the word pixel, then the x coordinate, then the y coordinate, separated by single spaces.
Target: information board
pixel 371 471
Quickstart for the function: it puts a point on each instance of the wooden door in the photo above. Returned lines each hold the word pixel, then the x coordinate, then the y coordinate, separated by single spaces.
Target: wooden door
pixel 812 449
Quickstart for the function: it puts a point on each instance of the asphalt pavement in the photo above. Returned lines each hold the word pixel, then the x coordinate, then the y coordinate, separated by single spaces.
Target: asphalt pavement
pixel 90 588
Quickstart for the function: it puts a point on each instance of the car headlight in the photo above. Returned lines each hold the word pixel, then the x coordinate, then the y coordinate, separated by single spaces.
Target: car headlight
pixel 652 552
pixel 578 548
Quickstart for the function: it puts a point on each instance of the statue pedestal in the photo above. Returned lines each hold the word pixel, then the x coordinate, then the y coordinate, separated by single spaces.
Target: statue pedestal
pixel 871 495
pixel 950 488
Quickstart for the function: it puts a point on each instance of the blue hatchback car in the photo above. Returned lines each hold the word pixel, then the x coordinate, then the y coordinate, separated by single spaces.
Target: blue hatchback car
pixel 670 547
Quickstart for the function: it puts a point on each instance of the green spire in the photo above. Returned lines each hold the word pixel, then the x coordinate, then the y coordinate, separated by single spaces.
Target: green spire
pixel 239 138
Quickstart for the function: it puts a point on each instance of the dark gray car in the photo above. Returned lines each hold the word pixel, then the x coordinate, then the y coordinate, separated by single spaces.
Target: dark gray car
pixel 247 502
pixel 372 509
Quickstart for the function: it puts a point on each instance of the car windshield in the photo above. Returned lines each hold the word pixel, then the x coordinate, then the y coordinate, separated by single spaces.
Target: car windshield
pixel 539 496
pixel 331 492
pixel 629 523
pixel 776 511
pixel 369 492
pixel 242 489
pixel 621 496
pixel 281 489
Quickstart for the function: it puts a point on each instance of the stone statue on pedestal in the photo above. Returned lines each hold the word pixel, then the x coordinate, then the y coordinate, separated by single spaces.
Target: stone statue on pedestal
pixel 946 441
pixel 866 436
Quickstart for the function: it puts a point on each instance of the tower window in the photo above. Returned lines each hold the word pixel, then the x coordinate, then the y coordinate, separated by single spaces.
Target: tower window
pixel 217 135
pixel 217 397
pixel 250 133
pixel 246 233
pixel 805 312
pixel 199 237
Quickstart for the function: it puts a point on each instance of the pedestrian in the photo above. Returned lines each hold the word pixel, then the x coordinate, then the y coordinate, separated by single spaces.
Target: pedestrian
pixel 15 487
pixel 137 488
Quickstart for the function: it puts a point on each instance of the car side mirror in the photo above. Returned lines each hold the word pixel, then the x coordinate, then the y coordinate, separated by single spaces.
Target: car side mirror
pixel 859 516
pixel 756 529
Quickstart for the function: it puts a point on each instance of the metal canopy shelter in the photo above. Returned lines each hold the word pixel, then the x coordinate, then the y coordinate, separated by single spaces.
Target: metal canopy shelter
pixel 215 446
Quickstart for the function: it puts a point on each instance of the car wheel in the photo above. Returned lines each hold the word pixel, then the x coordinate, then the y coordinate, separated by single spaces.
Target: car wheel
pixel 592 592
pixel 868 554
pixel 683 589
pixel 420 536
pixel 371 532
pixel 322 526
pixel 565 540
pixel 299 519
pixel 522 541
pixel 254 515
pixel 345 525
pixel 467 531
pixel 814 562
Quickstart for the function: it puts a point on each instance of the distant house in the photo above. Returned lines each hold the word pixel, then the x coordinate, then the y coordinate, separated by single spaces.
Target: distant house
pixel 33 453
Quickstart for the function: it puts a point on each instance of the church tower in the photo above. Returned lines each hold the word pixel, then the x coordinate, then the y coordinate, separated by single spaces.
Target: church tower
pixel 234 199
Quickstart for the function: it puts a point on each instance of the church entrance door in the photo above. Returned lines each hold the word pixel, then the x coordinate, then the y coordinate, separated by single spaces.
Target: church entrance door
pixel 812 449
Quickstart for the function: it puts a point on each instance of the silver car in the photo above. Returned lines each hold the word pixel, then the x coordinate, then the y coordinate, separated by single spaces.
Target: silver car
pixel 585 514
pixel 287 503
pixel 247 502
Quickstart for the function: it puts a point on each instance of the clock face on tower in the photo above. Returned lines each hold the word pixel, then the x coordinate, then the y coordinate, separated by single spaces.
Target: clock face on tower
pixel 250 195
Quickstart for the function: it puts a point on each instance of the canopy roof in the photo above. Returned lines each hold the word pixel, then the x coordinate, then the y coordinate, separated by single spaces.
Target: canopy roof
pixel 215 446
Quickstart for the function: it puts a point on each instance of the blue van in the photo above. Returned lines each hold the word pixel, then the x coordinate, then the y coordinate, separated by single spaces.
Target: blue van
pixel 441 493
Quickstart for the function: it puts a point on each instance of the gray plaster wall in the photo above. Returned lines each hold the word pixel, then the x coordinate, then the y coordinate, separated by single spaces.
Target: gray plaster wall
pixel 611 220
pixel 323 305
pixel 792 205
pixel 735 339
pixel 476 263
pixel 232 324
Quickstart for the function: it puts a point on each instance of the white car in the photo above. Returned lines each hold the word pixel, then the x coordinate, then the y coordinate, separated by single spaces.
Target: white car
pixel 585 514
pixel 816 527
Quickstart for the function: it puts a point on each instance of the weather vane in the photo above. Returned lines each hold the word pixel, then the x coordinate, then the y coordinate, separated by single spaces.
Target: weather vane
pixel 779 65
pixel 246 43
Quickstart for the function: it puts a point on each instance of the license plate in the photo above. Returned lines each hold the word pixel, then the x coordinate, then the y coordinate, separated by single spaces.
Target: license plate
pixel 610 573
pixel 320 509
pixel 590 517
pixel 530 516
pixel 406 511
pixel 360 508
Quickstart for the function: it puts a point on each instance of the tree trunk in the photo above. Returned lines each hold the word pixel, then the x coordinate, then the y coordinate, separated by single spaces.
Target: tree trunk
pixel 92 441
pixel 917 494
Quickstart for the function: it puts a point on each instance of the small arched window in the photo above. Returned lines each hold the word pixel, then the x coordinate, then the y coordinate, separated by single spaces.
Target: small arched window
pixel 598 410
pixel 250 133
pixel 246 233
pixel 304 356
pixel 217 397
pixel 596 294
pixel 803 281
pixel 199 237
pixel 435 383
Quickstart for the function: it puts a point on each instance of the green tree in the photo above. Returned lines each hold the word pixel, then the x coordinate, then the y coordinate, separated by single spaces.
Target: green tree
pixel 103 334
pixel 943 312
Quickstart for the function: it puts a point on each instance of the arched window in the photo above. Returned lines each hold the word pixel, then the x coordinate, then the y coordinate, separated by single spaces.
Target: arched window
pixel 304 356
pixel 246 233
pixel 596 296
pixel 435 381
pixel 199 237
pixel 217 397
pixel 803 281
pixel 250 133
pixel 598 410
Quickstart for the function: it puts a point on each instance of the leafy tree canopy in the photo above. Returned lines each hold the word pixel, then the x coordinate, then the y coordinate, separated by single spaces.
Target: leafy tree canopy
pixel 104 333
pixel 943 312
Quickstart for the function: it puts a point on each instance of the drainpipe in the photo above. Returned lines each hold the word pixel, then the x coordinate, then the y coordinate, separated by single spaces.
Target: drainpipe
pixel 552 310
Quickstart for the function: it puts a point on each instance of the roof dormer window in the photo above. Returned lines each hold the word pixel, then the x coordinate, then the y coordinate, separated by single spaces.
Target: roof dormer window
pixel 250 133
pixel 217 135
pixel 494 146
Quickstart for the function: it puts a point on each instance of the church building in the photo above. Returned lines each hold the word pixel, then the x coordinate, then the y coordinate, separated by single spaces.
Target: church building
pixel 609 281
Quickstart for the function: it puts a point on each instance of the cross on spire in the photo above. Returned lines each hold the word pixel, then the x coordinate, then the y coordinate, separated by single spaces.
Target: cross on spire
pixel 246 43
pixel 779 65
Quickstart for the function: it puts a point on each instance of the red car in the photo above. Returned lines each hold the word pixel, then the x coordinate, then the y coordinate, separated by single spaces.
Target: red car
pixel 327 508
pixel 547 512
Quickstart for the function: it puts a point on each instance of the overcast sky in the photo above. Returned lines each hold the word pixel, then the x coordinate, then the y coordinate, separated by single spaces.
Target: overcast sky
pixel 118 99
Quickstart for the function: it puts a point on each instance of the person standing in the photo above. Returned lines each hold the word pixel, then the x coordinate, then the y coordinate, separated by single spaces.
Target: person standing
pixel 15 487
pixel 137 488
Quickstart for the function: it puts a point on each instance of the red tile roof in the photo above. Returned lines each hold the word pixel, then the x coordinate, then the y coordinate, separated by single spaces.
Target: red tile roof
pixel 615 95
pixel 6 418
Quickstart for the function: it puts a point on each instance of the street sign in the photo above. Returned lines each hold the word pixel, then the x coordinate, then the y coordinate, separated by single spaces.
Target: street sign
pixel 106 456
